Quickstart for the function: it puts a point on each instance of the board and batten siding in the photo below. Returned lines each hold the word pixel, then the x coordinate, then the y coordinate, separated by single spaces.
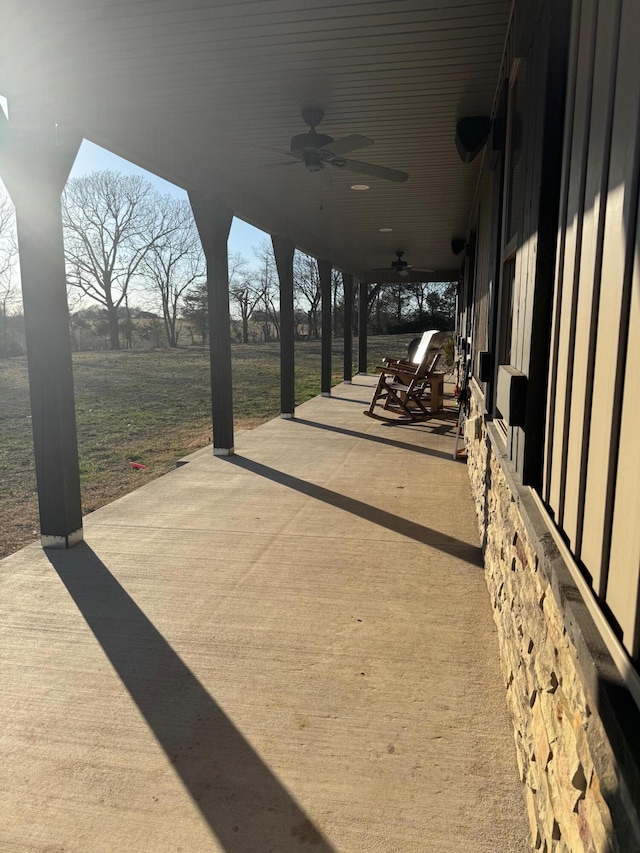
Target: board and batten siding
pixel 591 482
pixel 482 277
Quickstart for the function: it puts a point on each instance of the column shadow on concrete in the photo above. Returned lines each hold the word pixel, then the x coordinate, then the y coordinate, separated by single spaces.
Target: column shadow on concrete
pixel 389 442
pixel 395 523
pixel 442 423
pixel 347 399
pixel 243 802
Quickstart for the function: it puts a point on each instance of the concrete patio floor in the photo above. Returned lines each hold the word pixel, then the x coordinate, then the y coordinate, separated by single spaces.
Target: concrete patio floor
pixel 289 649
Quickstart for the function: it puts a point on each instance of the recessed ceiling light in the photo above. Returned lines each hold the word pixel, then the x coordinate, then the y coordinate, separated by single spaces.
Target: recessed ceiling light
pixel 360 187
pixel 385 230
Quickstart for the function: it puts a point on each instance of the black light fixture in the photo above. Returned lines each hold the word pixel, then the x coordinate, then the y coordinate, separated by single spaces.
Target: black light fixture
pixel 458 245
pixel 472 133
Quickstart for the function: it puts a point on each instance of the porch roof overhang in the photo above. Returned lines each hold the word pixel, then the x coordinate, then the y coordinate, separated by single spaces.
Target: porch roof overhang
pixel 198 92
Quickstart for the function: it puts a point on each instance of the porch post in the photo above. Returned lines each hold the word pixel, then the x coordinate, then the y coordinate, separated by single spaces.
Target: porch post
pixel 283 251
pixel 347 281
pixel 324 270
pixel 35 162
pixel 213 220
pixel 362 326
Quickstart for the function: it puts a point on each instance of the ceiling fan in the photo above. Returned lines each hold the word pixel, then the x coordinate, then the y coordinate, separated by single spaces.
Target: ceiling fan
pixel 318 150
pixel 400 266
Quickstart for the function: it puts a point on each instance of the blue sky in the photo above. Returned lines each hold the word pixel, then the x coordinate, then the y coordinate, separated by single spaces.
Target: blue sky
pixel 92 158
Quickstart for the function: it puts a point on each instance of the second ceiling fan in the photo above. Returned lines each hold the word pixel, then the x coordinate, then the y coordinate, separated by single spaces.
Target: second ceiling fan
pixel 400 266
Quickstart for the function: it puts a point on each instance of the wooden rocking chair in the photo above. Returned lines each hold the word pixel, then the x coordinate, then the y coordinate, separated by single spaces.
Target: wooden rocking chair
pixel 402 387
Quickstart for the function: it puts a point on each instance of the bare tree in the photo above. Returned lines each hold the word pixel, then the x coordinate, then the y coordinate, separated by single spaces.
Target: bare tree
pixel 174 262
pixel 242 291
pixel 399 295
pixel 306 284
pixel 337 300
pixel 8 256
pixel 110 226
pixel 419 292
pixel 266 311
pixel 195 310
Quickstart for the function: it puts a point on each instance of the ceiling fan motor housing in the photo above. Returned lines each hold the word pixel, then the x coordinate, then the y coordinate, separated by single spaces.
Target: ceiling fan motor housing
pixel 399 265
pixel 310 140
pixel 312 160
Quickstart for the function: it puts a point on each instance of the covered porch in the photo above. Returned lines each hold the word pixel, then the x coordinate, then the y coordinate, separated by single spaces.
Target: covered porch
pixel 284 649
pixel 378 108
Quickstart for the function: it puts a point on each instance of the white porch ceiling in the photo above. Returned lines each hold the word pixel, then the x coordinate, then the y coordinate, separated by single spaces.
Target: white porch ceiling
pixel 190 90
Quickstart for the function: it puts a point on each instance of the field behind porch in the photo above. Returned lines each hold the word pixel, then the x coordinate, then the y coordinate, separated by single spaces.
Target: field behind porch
pixel 149 407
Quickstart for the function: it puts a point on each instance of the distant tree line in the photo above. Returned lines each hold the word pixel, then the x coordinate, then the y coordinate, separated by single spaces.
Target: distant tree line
pixel 136 278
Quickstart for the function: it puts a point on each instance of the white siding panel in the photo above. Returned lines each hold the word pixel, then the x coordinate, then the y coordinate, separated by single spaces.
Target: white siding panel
pixel 620 211
pixel 623 588
pixel 572 239
pixel 586 313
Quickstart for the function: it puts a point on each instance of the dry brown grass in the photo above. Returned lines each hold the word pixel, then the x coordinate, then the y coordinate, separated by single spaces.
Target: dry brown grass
pixel 151 407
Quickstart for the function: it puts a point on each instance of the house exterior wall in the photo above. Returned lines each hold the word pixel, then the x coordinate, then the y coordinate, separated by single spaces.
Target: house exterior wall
pixel 578 798
pixel 592 472
pixel 551 290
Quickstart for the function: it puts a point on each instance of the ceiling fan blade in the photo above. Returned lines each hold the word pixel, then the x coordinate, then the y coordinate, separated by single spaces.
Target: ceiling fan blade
pixel 349 143
pixel 403 271
pixel 370 169
pixel 282 151
pixel 266 166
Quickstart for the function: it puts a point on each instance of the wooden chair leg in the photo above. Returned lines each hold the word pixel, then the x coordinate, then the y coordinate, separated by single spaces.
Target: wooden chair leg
pixel 376 394
pixel 437 393
pixel 420 405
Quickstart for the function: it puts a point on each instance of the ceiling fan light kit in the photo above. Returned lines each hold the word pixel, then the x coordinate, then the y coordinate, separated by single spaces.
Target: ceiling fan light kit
pixel 312 160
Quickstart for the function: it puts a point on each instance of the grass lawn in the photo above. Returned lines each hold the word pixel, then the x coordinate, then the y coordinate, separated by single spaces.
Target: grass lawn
pixel 150 407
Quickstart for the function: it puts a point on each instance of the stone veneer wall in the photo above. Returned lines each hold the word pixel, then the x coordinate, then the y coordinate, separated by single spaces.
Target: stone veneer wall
pixel 577 798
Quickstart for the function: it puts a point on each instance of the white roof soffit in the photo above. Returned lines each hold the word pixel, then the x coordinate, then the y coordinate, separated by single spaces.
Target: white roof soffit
pixel 207 95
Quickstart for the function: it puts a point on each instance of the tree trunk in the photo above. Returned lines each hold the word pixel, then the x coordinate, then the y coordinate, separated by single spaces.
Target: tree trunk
pixel 4 337
pixel 128 334
pixel 313 325
pixel 170 323
pixel 114 337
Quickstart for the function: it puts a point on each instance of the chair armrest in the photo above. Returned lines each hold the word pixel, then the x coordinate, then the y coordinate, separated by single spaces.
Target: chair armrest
pixel 395 361
pixel 397 370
